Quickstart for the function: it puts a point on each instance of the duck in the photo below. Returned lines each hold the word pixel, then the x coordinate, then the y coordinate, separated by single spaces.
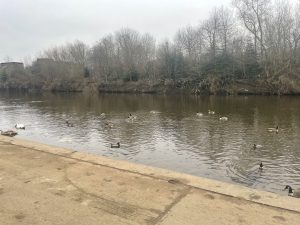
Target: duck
pixel 211 112
pixel 199 114
pixel 292 192
pixel 255 146
pixel 131 117
pixel 69 124
pixel 20 126
pixel 154 112
pixel 108 125
pixel 115 145
pixel 274 129
pixel 223 118
pixel 9 133
pixel 261 166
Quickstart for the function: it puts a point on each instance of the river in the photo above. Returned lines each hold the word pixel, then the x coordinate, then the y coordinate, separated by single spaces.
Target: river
pixel 166 132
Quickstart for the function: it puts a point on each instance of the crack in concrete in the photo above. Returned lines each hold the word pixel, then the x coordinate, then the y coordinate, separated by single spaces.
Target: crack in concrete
pixel 125 210
pixel 161 216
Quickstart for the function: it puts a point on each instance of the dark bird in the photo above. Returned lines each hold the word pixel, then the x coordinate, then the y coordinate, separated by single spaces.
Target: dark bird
pixel 115 145
pixel 292 192
pixel 9 133
pixel 69 124
pixel 261 166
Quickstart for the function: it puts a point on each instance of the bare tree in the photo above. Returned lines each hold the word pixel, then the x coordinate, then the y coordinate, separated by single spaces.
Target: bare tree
pixel 253 14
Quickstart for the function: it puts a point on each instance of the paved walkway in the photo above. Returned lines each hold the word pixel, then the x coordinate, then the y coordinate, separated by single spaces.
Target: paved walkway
pixel 42 185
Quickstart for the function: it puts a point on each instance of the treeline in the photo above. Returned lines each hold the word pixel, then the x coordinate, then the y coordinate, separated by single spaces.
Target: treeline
pixel 253 40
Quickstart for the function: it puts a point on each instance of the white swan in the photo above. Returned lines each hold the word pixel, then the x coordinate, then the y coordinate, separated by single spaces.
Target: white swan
pixel 223 118
pixel 211 112
pixel 199 114
pixel 20 126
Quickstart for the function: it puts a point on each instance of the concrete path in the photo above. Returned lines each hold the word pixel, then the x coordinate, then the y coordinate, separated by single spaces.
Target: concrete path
pixel 43 185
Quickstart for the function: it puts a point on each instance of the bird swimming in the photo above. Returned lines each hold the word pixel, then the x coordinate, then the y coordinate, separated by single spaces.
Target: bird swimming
pixel 9 133
pixel 115 145
pixel 271 129
pixel 199 114
pixel 69 124
pixel 108 125
pixel 131 117
pixel 255 146
pixel 292 192
pixel 20 126
pixel 261 166
pixel 223 118
pixel 211 112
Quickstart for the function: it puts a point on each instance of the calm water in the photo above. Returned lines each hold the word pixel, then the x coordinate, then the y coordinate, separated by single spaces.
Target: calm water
pixel 167 133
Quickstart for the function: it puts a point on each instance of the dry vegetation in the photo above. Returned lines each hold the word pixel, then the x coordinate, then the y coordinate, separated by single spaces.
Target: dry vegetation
pixel 252 47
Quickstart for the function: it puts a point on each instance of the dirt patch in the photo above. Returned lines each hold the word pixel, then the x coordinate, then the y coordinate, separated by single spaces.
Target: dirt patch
pixel 279 218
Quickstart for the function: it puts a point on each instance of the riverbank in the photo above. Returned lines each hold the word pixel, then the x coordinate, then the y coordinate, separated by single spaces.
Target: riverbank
pixel 41 184
pixel 283 85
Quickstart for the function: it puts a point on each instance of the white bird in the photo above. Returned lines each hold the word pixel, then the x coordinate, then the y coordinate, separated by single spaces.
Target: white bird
pixel 223 118
pixel 154 112
pixel 273 129
pixel 20 126
pixel 199 114
pixel 255 146
pixel 211 112
pixel 102 116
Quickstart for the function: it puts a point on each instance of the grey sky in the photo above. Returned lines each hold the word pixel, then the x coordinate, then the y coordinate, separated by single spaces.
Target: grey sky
pixel 29 26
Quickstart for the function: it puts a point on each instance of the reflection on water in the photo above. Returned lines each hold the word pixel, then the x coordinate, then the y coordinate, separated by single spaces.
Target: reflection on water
pixel 168 133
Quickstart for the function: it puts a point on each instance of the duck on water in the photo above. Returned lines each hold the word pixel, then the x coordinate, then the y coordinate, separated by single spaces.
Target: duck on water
pixel 20 126
pixel 115 145
pixel 276 129
pixel 9 133
pixel 292 192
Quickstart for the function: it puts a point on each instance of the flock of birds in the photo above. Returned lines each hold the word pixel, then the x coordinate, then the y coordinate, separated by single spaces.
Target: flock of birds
pixel 291 192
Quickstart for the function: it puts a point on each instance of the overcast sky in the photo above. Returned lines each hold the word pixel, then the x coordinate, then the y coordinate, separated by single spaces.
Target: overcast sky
pixel 29 26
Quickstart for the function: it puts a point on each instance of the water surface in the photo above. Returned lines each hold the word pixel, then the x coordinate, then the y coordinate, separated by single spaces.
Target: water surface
pixel 168 133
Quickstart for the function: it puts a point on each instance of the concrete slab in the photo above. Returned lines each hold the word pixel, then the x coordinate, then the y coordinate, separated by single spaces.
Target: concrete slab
pixel 44 185
pixel 205 208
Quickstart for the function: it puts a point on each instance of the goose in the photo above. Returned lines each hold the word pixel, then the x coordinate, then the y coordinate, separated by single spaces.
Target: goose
pixel 223 118
pixel 115 145
pixel 20 126
pixel 255 146
pixel 211 112
pixel 261 166
pixel 199 114
pixel 9 133
pixel 292 192
pixel 274 129
pixel 108 125
pixel 131 117
pixel 69 124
